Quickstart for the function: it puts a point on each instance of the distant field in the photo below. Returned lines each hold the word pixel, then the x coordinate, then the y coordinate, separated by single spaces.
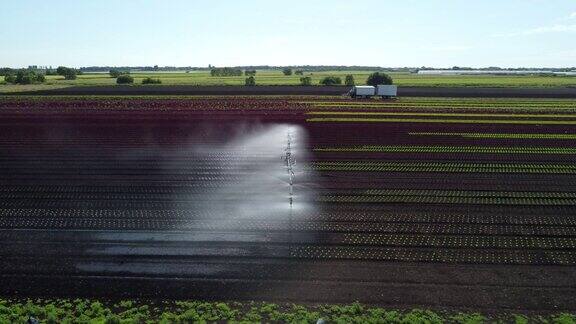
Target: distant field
pixel 277 78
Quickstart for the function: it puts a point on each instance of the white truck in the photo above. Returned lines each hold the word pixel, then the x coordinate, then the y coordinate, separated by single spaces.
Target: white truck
pixel 382 90
pixel 362 92
pixel 386 90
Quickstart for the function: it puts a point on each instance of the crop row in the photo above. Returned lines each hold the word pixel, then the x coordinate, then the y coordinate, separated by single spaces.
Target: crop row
pixel 470 193
pixel 448 200
pixel 265 225
pixel 450 102
pixel 434 114
pixel 76 104
pixel 480 256
pixel 451 149
pixel 500 135
pixel 462 241
pixel 516 216
pixel 441 121
pixel 445 167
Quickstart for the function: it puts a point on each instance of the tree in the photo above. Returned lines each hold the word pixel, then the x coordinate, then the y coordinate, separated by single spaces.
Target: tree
pixel 250 81
pixel 377 78
pixel 124 79
pixel 6 71
pixel 349 81
pixel 151 81
pixel 10 78
pixel 306 81
pixel 287 71
pixel 61 70
pixel 299 72
pixel 28 77
pixel 225 72
pixel 67 73
pixel 115 73
pixel 70 74
pixel 250 73
pixel 331 80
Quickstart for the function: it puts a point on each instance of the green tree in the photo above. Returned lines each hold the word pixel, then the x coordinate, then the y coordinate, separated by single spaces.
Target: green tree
pixel 67 73
pixel 28 77
pixel 225 72
pixel 70 74
pixel 115 73
pixel 331 80
pixel 299 72
pixel 349 81
pixel 250 81
pixel 61 70
pixel 6 71
pixel 377 78
pixel 306 81
pixel 287 71
pixel 124 79
pixel 10 78
pixel 151 81
pixel 250 73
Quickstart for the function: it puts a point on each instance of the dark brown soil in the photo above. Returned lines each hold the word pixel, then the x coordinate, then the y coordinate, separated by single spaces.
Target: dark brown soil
pixel 128 204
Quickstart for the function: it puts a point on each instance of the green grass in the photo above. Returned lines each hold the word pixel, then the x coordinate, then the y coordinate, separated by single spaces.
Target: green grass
pixel 128 312
pixel 450 149
pixel 269 77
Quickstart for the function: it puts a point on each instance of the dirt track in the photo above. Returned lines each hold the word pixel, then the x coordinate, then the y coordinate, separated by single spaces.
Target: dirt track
pixel 310 90
pixel 165 207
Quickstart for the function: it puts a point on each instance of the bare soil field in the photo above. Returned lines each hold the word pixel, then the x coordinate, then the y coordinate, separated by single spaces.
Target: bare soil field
pixel 458 205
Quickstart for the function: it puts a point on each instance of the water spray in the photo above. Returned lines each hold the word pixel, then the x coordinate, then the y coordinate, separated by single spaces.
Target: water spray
pixel 290 163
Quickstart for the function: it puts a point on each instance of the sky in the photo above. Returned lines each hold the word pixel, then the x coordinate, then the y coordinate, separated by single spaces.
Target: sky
pixel 389 33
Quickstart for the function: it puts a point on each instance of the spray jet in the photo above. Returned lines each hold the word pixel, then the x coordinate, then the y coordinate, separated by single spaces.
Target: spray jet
pixel 290 162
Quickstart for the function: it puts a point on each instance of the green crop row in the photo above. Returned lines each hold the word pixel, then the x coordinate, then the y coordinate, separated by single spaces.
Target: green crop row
pixel 500 135
pixel 469 193
pixel 446 104
pixel 136 312
pixel 449 200
pixel 444 167
pixel 435 114
pixel 451 149
pixel 474 256
pixel 443 121
pixel 133 312
pixel 462 241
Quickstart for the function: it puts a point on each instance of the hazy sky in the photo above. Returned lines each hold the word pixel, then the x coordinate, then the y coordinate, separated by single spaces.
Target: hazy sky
pixel 441 33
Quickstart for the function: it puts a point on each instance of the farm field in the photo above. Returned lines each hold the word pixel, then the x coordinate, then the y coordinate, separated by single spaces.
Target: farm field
pixel 271 77
pixel 439 203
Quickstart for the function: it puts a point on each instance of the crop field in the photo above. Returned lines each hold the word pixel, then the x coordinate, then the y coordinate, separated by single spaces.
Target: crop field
pixel 272 77
pixel 417 202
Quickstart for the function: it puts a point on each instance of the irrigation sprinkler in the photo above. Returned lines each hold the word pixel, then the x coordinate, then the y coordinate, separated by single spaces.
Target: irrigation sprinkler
pixel 290 163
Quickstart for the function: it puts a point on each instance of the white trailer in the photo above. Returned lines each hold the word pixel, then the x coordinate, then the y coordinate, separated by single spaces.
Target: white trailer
pixel 386 91
pixel 362 92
